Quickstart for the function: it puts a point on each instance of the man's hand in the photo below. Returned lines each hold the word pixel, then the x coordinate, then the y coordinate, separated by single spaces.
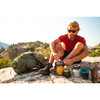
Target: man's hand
pixel 68 62
pixel 56 56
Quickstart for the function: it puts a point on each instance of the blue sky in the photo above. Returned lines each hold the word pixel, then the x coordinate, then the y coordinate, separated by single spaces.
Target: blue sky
pixel 25 21
pixel 46 29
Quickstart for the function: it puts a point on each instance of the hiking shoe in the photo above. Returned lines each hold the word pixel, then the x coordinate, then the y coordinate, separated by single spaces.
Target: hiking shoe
pixel 45 71
pixel 53 71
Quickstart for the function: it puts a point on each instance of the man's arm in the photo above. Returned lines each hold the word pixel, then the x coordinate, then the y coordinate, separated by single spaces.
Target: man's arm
pixel 82 55
pixel 53 49
pixel 53 45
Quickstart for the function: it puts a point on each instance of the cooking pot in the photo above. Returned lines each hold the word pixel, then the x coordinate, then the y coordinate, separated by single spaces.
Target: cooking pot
pixel 76 70
pixel 84 73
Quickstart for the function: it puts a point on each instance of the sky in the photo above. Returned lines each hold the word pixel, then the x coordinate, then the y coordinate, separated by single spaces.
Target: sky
pixel 46 29
pixel 29 21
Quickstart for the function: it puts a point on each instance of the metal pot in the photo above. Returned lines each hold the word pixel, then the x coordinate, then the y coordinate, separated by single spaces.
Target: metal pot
pixel 76 70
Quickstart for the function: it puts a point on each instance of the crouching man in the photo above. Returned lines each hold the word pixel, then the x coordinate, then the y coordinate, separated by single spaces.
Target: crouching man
pixel 74 48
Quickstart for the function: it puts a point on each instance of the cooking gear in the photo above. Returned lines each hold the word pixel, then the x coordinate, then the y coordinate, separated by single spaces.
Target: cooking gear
pixel 59 67
pixel 76 70
pixel 66 72
pixel 84 73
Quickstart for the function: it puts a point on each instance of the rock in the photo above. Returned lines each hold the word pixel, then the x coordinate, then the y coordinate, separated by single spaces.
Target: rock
pixel 59 79
pixel 7 75
pixel 91 59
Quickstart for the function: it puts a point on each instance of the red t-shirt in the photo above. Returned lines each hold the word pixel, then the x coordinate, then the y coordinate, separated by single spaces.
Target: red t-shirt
pixel 68 44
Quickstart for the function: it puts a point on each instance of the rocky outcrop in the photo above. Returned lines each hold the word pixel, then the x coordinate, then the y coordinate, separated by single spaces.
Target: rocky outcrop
pixel 15 53
pixel 7 75
pixel 91 59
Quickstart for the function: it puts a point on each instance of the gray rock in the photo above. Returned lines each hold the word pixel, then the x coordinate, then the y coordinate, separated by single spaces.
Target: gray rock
pixel 7 75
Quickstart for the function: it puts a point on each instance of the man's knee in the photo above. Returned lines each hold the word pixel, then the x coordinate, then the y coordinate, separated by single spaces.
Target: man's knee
pixel 79 45
pixel 58 46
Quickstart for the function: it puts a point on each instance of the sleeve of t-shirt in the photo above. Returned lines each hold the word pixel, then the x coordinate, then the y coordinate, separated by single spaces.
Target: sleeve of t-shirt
pixel 83 41
pixel 61 38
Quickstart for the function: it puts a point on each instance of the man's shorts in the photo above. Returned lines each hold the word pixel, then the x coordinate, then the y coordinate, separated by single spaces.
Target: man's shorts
pixel 66 54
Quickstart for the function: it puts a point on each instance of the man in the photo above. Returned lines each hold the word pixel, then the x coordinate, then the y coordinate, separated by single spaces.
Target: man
pixel 73 51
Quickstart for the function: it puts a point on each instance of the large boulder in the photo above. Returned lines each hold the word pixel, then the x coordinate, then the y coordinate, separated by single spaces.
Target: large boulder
pixel 7 75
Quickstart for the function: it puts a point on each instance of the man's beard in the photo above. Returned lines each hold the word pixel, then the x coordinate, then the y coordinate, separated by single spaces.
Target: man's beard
pixel 71 36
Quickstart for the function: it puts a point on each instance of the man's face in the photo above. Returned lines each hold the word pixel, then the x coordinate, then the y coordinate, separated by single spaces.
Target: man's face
pixel 72 32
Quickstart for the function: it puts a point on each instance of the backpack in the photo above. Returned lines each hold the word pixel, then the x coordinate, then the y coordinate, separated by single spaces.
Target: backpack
pixel 27 61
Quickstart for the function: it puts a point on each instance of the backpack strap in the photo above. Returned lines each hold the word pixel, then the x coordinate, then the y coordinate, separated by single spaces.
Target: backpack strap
pixel 41 65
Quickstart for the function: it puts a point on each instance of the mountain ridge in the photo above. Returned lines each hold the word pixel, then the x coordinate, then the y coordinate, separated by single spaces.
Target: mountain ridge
pixel 3 45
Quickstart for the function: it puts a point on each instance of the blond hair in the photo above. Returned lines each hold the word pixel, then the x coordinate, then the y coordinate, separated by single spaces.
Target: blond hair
pixel 74 24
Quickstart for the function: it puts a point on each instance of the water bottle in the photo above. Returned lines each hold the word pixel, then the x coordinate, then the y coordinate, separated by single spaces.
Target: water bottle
pixel 94 74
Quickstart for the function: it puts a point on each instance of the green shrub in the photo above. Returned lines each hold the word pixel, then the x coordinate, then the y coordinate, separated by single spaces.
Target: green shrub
pixel 5 62
pixel 94 54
